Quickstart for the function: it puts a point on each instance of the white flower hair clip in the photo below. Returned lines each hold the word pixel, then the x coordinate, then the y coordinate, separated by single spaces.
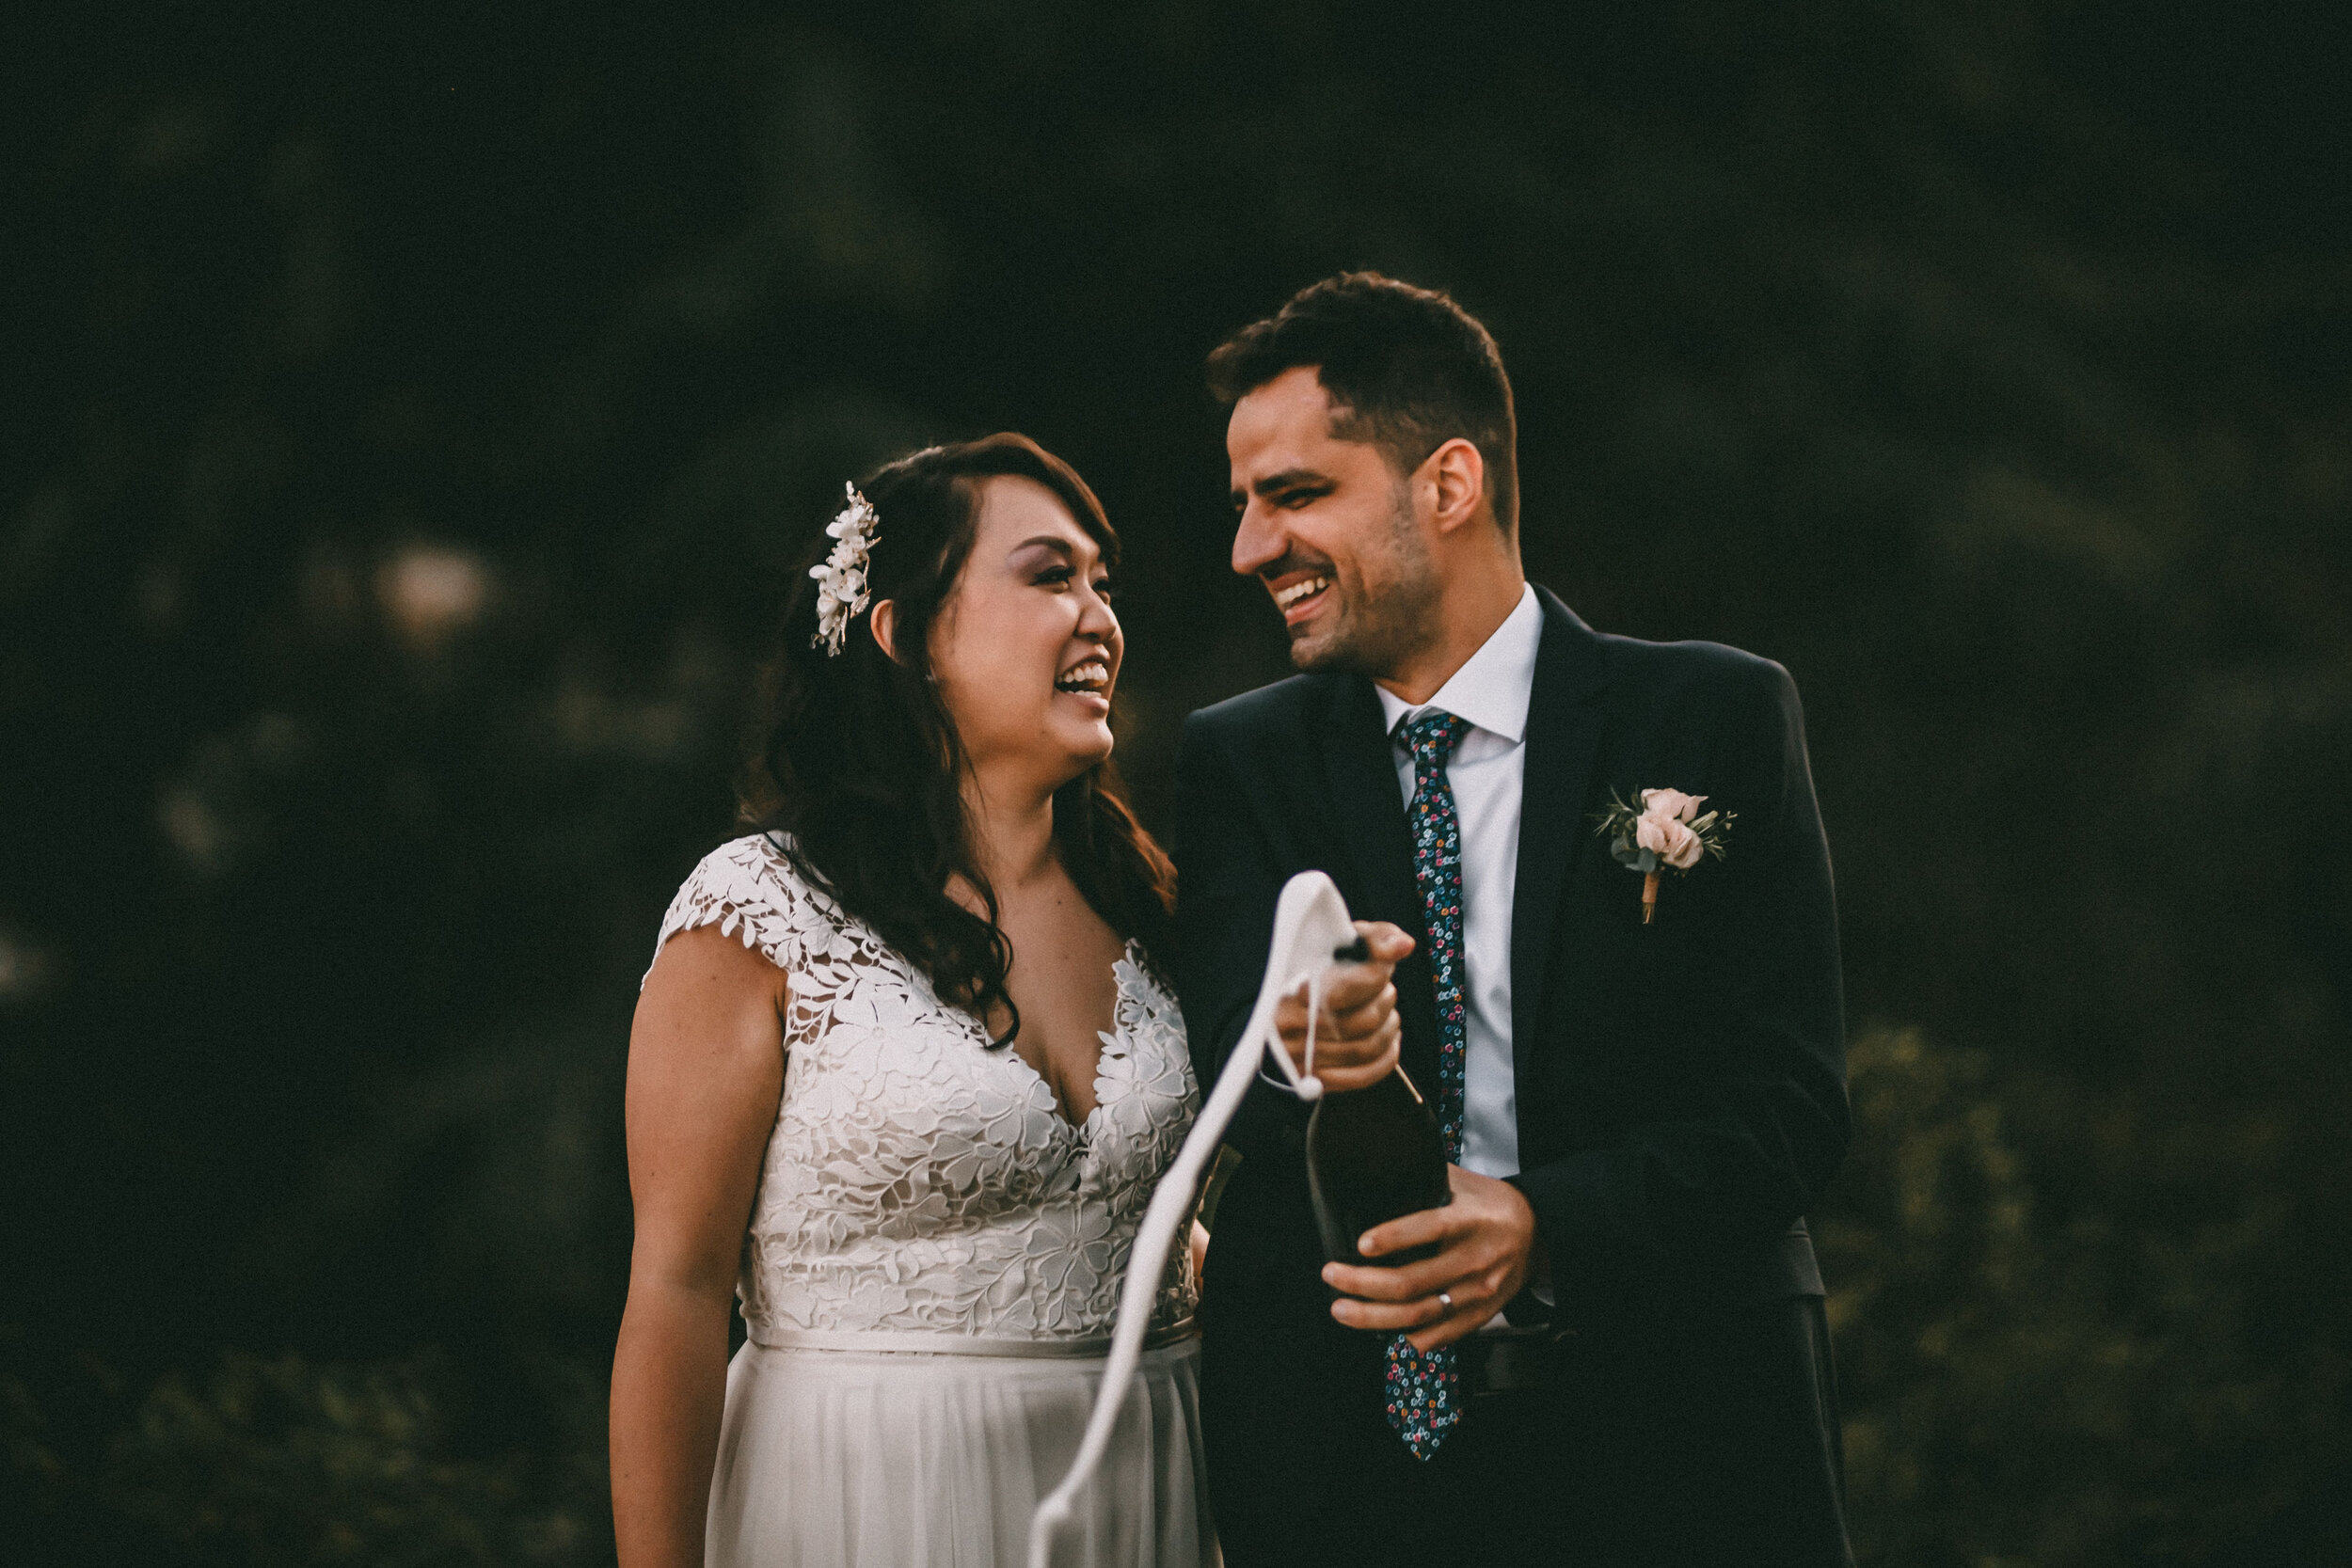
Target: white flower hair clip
pixel 841 578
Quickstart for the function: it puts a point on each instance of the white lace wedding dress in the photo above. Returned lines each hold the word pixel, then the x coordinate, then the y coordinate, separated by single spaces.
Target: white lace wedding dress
pixel 933 1265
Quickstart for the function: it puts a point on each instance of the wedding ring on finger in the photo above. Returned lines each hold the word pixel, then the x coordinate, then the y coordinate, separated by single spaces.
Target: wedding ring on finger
pixel 1445 1299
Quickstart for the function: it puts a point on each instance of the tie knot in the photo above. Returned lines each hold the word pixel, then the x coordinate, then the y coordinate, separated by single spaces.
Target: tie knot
pixel 1432 737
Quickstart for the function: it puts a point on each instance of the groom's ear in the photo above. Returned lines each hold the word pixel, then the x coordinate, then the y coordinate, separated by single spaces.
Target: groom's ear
pixel 884 620
pixel 1457 471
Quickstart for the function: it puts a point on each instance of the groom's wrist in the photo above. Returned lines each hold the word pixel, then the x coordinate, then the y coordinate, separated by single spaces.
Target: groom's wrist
pixel 1538 1250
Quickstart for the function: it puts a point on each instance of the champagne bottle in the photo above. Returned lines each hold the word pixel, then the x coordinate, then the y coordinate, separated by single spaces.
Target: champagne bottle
pixel 1374 1154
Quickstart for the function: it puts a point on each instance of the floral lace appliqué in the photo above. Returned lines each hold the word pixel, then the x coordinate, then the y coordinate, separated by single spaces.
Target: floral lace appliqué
pixel 916 1180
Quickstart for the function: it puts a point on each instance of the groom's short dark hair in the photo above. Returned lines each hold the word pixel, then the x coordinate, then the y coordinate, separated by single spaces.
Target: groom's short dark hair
pixel 1407 371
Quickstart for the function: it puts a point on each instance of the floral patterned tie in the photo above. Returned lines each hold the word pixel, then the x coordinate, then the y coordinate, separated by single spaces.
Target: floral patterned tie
pixel 1425 1392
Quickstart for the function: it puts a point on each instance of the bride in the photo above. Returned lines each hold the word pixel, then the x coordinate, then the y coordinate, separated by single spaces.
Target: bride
pixel 902 1075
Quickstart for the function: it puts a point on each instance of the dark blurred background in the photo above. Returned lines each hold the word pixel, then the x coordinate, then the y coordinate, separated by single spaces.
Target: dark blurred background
pixel 410 422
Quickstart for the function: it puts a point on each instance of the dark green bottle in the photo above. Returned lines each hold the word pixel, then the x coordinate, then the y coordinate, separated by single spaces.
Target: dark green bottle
pixel 1374 1154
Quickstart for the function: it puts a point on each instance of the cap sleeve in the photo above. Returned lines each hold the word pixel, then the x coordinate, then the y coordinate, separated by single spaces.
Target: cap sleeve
pixel 749 890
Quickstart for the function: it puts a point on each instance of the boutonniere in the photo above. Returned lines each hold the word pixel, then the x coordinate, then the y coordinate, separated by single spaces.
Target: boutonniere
pixel 1662 833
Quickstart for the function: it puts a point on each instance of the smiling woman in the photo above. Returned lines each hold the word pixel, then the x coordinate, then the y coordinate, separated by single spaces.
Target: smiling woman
pixel 863 760
pixel 929 1232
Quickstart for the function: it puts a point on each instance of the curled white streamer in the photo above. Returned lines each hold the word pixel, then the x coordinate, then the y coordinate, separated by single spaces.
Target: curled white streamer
pixel 1312 916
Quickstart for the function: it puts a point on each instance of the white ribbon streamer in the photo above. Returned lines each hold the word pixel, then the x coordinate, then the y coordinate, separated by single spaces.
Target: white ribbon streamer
pixel 1310 923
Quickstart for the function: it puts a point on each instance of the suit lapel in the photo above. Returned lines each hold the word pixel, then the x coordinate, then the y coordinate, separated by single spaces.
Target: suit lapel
pixel 1564 724
pixel 1370 814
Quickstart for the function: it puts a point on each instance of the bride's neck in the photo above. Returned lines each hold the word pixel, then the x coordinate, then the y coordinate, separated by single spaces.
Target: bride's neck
pixel 1013 830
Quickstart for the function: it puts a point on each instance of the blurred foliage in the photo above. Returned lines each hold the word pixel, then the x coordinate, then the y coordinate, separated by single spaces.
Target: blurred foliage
pixel 279 1463
pixel 2024 1385
pixel 415 415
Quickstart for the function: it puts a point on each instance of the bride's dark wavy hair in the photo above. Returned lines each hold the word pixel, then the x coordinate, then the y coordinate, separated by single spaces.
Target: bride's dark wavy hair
pixel 855 765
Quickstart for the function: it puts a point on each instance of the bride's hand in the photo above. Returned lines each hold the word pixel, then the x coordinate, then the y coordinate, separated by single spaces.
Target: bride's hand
pixel 1356 1038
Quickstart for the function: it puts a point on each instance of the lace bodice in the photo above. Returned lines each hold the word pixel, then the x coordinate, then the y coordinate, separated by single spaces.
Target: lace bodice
pixel 916 1180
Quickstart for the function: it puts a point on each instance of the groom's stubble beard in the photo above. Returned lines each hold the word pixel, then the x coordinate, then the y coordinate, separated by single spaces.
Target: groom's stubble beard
pixel 1382 623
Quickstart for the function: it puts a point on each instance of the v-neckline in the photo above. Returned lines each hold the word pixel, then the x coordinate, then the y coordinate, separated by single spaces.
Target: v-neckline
pixel 1106 1037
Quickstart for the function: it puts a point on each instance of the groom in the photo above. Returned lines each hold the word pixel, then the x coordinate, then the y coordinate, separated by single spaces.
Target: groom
pixel 1618 1354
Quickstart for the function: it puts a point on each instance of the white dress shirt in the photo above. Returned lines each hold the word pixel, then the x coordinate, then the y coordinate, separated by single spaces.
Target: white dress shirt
pixel 1488 776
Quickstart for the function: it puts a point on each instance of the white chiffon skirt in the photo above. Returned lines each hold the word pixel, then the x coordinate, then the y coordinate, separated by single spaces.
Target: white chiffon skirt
pixel 834 1458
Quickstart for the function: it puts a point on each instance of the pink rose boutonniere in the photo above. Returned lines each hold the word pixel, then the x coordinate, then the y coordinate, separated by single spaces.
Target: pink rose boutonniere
pixel 1662 832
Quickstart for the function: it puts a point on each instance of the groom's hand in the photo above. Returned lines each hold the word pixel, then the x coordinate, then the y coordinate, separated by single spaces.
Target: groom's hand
pixel 1356 1039
pixel 1485 1239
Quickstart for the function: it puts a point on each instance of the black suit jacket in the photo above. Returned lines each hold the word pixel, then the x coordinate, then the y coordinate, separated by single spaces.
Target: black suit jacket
pixel 1681 1085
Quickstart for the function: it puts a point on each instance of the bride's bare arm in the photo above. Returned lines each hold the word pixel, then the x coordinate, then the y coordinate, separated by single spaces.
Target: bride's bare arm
pixel 706 1066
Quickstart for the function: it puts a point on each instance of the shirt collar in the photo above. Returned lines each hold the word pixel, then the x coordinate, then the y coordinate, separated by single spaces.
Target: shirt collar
pixel 1492 687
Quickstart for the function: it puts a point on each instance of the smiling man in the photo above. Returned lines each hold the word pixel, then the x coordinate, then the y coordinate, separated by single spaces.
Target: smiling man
pixel 1617 1351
